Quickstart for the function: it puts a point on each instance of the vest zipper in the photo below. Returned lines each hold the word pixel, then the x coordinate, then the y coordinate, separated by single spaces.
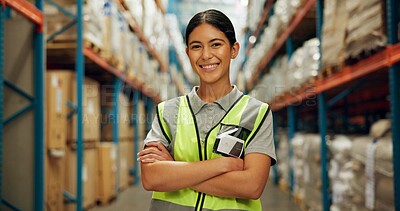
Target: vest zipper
pixel 206 138
pixel 200 196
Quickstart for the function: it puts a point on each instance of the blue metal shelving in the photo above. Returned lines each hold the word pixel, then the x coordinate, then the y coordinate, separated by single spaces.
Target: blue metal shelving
pixel 33 13
pixel 1 99
pixel 291 111
pixel 322 120
pixel 115 124
pixel 136 118
pixel 80 74
pixel 39 79
pixel 393 18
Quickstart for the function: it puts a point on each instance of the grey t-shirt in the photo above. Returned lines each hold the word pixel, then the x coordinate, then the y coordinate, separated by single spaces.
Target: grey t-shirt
pixel 209 114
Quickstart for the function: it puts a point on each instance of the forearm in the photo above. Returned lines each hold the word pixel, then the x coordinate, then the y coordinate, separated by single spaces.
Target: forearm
pixel 248 183
pixel 174 175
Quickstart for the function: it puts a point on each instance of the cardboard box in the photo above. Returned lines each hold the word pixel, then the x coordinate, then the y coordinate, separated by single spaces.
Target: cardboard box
pixel 91 107
pixel 91 110
pixel 130 159
pixel 89 169
pixel 56 110
pixel 106 176
pixel 55 172
pixel 123 164
pixel 123 119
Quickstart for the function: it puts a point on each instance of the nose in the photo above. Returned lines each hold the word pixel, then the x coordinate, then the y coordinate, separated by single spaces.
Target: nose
pixel 206 54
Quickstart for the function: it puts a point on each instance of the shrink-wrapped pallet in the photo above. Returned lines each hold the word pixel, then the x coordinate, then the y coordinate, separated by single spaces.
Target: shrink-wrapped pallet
pixel 304 64
pixel 373 168
pixel 341 173
pixel 307 170
pixel 283 157
pixel 334 32
pixel 94 22
pixel 365 29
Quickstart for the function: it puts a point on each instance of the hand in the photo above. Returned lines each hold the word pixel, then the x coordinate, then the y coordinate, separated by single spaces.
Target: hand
pixel 153 152
pixel 234 164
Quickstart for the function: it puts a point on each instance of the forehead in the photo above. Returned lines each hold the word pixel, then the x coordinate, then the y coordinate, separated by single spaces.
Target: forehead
pixel 206 32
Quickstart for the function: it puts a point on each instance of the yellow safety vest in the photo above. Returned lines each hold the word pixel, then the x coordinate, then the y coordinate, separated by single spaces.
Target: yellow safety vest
pixel 188 148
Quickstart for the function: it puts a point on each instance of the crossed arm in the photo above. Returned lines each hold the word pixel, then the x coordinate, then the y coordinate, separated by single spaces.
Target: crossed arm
pixel 225 177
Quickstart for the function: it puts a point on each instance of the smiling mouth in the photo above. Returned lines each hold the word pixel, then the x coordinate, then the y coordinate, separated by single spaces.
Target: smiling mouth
pixel 209 67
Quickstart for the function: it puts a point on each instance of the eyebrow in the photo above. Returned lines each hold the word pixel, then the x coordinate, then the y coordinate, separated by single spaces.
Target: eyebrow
pixel 213 40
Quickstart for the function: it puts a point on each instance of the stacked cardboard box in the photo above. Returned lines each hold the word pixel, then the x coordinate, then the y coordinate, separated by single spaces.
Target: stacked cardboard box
pixel 61 142
pixel 124 118
pixel 124 151
pixel 89 170
pixel 57 90
pixel 107 172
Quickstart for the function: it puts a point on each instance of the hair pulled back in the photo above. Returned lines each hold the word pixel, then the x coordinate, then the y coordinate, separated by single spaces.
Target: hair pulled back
pixel 215 18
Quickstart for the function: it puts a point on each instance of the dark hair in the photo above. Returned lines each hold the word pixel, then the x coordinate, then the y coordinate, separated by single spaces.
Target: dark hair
pixel 215 18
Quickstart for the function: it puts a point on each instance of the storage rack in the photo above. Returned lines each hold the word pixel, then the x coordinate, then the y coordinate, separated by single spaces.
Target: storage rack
pixel 387 59
pixel 34 14
pixel 120 79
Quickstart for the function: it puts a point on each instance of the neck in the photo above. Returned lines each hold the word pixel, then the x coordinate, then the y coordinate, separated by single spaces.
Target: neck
pixel 210 93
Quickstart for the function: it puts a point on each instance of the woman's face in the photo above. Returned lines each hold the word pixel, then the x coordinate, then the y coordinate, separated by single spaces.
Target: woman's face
pixel 210 54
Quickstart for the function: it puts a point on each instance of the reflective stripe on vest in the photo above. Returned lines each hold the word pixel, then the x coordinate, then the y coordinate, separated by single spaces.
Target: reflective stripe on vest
pixel 189 148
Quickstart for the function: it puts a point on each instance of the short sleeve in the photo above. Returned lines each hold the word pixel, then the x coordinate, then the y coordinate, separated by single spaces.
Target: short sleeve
pixel 263 141
pixel 155 134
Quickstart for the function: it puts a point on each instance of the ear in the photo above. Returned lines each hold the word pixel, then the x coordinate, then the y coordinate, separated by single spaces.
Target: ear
pixel 187 51
pixel 235 50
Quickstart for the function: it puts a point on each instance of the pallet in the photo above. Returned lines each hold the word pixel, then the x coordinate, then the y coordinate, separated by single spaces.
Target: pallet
pixel 283 186
pixel 299 201
pixel 329 71
pixel 86 144
pixel 105 201
pixel 91 45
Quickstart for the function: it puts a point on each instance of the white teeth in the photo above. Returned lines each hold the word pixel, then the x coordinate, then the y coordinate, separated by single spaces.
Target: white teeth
pixel 210 66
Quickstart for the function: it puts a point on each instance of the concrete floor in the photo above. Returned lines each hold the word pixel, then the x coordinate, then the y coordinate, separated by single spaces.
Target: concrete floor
pixel 135 198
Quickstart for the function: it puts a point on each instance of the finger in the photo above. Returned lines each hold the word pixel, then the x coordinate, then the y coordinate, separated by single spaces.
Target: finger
pixel 149 150
pixel 155 156
pixel 159 145
pixel 152 156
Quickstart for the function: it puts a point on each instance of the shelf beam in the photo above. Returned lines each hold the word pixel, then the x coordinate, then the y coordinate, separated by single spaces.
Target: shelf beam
pixel 27 9
pixel 90 54
pixel 377 62
pixel 301 13
pixel 383 59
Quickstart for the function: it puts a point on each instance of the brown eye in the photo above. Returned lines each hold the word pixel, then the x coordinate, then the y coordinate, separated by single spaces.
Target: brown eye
pixel 214 45
pixel 195 47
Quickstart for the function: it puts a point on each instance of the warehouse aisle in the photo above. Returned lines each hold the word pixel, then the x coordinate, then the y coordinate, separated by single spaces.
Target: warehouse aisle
pixel 137 199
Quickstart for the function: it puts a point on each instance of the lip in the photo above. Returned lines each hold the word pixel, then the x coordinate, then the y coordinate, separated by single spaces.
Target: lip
pixel 209 67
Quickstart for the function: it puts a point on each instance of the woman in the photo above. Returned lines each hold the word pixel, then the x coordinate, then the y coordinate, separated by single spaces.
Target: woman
pixel 211 149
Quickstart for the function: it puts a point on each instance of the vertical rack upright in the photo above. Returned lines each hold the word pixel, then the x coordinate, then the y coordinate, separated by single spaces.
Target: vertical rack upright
pixel 34 14
pixel 80 74
pixel 393 21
